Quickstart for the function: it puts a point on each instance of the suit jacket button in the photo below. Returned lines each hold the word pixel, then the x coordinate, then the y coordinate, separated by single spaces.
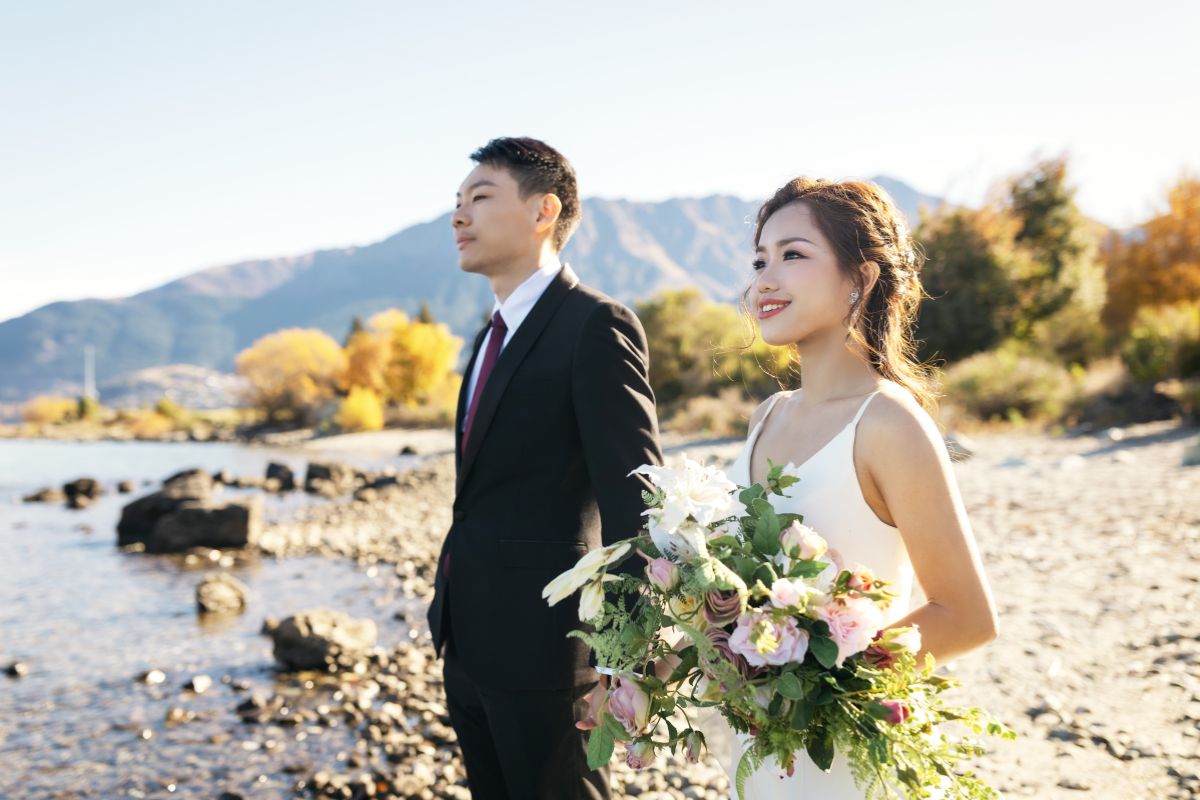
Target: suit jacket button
pixel 458 516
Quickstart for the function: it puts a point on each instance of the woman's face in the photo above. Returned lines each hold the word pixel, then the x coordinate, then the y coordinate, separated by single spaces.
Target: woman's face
pixel 798 288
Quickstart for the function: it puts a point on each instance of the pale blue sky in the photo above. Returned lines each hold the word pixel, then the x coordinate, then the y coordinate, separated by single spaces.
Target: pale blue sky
pixel 140 141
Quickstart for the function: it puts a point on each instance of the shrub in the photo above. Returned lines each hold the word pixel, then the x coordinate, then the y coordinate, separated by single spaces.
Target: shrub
pixel 1164 343
pixel 49 410
pixel 1007 384
pixel 361 410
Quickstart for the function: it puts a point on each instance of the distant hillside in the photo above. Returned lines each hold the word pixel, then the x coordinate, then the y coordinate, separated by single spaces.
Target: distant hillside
pixel 629 250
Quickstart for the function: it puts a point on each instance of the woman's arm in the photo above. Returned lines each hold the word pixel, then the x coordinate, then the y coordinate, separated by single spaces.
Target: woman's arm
pixel 909 477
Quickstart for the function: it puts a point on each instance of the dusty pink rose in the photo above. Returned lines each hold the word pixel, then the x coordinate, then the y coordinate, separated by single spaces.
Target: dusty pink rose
pixel 720 640
pixel 802 542
pixel 879 656
pixel 663 574
pixel 722 607
pixel 629 704
pixel 853 623
pixel 762 640
pixel 897 711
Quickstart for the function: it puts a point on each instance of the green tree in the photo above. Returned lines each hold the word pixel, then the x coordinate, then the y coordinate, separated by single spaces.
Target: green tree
pixel 972 303
pixel 1060 287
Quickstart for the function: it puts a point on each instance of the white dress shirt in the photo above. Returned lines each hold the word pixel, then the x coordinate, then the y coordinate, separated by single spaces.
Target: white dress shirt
pixel 514 310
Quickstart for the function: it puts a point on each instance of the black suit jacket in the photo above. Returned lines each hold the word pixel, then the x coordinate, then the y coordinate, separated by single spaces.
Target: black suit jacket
pixel 565 415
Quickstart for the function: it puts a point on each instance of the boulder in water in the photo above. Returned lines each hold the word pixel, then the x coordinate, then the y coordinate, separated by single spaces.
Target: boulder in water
pixel 221 593
pixel 314 638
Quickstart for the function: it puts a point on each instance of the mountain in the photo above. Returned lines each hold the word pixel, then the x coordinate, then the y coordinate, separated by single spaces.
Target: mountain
pixel 630 250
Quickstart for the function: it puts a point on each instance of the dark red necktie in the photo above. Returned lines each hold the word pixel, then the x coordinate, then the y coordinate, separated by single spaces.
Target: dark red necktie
pixel 499 331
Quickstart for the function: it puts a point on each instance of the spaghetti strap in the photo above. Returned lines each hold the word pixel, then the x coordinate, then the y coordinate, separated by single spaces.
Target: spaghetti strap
pixel 862 409
pixel 770 405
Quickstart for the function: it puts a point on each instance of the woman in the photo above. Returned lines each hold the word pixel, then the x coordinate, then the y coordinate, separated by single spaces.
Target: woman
pixel 836 278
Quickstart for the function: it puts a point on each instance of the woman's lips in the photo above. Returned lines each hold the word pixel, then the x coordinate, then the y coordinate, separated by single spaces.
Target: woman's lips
pixel 778 308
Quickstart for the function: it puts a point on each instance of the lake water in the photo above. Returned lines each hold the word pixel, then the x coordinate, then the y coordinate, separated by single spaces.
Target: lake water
pixel 88 619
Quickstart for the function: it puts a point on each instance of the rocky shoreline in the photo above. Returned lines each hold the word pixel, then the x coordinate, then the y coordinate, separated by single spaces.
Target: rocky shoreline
pixel 1090 542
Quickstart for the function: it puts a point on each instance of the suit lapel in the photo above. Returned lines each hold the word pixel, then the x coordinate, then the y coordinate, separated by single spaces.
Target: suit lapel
pixel 510 358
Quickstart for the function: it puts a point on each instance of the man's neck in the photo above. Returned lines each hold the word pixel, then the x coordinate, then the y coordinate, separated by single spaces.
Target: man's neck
pixel 504 285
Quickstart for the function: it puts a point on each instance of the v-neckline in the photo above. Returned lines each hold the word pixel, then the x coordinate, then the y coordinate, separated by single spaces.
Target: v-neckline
pixel 756 434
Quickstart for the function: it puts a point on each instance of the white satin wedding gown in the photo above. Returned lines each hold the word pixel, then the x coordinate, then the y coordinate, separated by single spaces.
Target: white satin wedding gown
pixel 831 501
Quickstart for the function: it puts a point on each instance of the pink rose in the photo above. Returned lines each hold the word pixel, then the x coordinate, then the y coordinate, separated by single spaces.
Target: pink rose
pixel 639 755
pixel 663 574
pixel 802 542
pixel 897 711
pixel 761 640
pixel 722 607
pixel 789 593
pixel 853 623
pixel 629 704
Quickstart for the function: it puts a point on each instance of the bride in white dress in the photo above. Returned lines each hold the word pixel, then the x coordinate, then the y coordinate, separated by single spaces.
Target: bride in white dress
pixel 836 277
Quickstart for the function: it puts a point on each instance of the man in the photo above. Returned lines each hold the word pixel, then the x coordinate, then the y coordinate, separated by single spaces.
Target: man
pixel 555 411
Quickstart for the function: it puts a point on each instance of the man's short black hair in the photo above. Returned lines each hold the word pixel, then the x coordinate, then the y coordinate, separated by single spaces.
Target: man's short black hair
pixel 538 169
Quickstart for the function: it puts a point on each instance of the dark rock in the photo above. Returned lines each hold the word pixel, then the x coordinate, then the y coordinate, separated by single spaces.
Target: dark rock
pixel 282 473
pixel 45 496
pixel 224 477
pixel 17 669
pixel 191 483
pixel 139 517
pixel 126 487
pixel 83 487
pixel 408 450
pixel 311 639
pixel 221 594
pixel 343 477
pixel 201 523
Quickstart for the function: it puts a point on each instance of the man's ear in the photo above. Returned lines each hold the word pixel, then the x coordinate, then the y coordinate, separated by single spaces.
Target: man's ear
pixel 548 212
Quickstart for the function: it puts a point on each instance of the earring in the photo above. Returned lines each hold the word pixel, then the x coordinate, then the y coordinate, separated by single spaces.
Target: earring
pixel 853 298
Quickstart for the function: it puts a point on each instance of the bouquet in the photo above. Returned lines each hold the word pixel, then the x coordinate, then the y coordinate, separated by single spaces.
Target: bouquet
pixel 753 614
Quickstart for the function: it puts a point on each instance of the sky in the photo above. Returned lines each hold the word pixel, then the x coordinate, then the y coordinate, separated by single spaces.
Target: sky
pixel 141 141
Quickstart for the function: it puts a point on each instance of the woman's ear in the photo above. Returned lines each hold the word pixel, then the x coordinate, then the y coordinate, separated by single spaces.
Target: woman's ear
pixel 869 272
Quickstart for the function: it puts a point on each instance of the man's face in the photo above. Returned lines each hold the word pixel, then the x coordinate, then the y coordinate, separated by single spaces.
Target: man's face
pixel 493 226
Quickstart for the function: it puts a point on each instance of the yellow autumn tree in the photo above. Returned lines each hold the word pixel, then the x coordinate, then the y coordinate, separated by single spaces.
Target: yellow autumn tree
pixel 367 356
pixel 422 358
pixel 292 373
pixel 361 410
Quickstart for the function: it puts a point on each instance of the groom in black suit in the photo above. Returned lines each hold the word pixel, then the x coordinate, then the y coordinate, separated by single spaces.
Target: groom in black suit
pixel 555 411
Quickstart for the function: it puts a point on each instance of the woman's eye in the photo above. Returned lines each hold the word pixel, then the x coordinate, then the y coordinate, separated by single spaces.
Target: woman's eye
pixel 792 253
pixel 758 264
